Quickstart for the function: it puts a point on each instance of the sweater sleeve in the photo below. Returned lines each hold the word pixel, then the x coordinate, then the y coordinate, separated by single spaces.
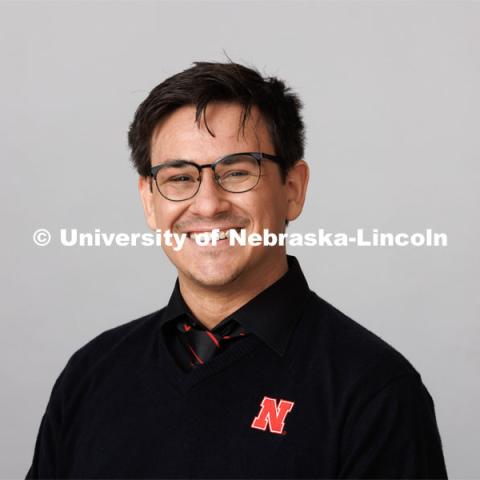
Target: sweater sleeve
pixel 393 434
pixel 45 457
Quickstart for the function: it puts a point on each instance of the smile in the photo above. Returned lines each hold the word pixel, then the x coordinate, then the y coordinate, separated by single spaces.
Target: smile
pixel 215 233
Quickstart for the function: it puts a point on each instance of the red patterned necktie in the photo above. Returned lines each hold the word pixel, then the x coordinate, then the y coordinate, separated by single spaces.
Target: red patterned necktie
pixel 202 344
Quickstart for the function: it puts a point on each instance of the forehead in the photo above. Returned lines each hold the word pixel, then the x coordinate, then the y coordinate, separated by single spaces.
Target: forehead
pixel 178 136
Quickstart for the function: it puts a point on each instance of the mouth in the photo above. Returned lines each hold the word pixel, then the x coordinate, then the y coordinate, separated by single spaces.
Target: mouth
pixel 215 233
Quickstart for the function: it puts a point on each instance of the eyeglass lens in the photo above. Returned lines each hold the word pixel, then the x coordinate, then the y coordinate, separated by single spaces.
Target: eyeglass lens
pixel 181 180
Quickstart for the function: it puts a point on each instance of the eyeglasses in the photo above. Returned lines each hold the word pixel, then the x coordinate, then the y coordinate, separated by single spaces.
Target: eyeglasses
pixel 180 180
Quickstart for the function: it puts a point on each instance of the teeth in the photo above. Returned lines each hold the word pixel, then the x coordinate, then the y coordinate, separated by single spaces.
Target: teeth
pixel 221 235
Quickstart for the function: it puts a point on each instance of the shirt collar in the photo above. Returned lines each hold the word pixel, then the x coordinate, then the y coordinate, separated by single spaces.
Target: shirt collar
pixel 271 315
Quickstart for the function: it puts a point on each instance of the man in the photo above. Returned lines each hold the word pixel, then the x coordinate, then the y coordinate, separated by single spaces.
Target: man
pixel 246 373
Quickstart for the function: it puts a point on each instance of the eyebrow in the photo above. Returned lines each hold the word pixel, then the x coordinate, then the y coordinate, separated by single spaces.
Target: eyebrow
pixel 174 161
pixel 169 160
pixel 178 161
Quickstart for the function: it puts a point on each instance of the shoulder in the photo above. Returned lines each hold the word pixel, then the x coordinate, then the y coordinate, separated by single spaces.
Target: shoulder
pixel 106 348
pixel 352 352
pixel 115 337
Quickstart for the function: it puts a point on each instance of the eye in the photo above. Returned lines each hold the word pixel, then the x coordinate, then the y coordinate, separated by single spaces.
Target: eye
pixel 236 173
pixel 181 179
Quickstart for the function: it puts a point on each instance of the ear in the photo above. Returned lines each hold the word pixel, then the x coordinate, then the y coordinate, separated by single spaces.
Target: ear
pixel 296 184
pixel 146 194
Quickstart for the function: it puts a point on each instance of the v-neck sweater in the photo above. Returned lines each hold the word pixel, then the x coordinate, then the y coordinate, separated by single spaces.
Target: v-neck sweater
pixel 320 397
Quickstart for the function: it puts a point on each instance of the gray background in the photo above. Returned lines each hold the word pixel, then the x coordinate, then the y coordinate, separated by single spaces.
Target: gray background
pixel 392 112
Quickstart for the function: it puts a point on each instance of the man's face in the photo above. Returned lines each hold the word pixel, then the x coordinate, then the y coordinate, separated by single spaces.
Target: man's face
pixel 266 206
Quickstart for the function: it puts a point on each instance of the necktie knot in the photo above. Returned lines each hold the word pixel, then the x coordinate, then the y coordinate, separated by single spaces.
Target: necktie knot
pixel 201 343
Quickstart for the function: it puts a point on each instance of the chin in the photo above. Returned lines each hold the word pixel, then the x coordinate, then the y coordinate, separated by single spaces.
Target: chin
pixel 212 282
pixel 213 277
pixel 209 273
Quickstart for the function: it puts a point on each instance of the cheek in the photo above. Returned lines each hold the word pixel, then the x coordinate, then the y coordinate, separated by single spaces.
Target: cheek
pixel 280 213
pixel 165 214
pixel 277 197
pixel 270 210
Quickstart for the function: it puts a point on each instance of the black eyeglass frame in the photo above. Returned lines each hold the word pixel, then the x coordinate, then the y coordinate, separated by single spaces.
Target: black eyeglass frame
pixel 258 156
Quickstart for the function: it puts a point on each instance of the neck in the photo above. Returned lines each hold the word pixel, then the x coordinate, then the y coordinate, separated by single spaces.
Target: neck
pixel 211 305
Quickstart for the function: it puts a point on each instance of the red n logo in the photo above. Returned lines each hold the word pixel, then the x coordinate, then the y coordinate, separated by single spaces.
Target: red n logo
pixel 272 415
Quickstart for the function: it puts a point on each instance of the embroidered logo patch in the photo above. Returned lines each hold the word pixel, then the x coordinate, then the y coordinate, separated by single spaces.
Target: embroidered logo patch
pixel 272 415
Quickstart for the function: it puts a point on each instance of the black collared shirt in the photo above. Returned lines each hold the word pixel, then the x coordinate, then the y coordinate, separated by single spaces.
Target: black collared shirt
pixel 309 393
pixel 270 315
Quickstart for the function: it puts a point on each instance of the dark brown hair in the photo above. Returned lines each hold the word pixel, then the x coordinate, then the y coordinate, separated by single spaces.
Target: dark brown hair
pixel 226 82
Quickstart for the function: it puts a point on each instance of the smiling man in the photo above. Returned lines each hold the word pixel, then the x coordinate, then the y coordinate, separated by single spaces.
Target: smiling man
pixel 217 280
pixel 245 373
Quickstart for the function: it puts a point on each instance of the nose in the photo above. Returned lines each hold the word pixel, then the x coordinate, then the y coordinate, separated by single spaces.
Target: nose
pixel 210 199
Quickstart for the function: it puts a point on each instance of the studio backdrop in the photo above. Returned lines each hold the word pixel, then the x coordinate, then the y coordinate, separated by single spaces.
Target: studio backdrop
pixel 391 107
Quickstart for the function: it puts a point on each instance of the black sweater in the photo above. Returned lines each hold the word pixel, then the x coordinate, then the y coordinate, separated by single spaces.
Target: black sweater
pixel 310 394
